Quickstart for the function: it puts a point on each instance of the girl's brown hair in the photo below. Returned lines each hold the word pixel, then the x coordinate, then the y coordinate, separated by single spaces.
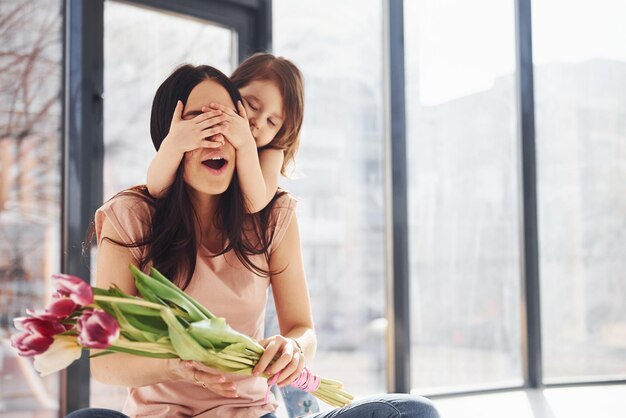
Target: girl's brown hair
pixel 290 83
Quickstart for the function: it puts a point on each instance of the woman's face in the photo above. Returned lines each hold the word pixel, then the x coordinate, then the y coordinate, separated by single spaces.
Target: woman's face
pixel 208 170
pixel 264 106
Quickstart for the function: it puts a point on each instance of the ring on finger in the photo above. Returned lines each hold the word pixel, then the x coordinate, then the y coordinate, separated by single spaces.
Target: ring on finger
pixel 198 382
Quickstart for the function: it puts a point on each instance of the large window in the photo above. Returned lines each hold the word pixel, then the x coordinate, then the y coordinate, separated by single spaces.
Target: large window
pixel 31 73
pixel 339 180
pixel 142 47
pixel 463 159
pixel 463 194
pixel 580 105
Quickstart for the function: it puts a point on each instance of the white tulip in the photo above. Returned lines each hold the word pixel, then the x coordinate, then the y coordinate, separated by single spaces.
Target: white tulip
pixel 63 351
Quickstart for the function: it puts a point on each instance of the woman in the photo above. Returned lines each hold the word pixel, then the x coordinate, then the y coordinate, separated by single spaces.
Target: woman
pixel 200 236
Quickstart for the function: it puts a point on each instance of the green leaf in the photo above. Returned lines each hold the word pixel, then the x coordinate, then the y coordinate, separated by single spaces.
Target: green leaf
pixel 101 292
pixel 156 274
pixel 147 293
pixel 217 333
pixel 128 330
pixel 155 290
pixel 185 345
pixel 148 324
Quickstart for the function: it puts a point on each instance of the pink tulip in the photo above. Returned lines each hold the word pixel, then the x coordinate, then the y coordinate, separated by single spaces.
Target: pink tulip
pixel 42 327
pixel 61 307
pixel 46 316
pixel 97 329
pixel 73 287
pixel 31 344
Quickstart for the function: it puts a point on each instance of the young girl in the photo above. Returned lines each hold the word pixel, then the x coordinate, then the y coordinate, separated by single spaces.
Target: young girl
pixel 265 132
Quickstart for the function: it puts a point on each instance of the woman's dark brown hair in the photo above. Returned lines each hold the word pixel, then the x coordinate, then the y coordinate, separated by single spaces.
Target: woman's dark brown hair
pixel 170 243
pixel 290 83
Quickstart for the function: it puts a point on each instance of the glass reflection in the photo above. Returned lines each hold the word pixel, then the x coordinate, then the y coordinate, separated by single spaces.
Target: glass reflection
pixel 463 194
pixel 30 188
pixel 580 80
pixel 339 180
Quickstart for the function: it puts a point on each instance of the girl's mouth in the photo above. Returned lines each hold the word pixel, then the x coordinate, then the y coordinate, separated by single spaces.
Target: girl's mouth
pixel 216 164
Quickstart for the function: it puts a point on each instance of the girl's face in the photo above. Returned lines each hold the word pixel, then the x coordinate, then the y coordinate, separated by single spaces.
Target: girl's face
pixel 264 106
pixel 208 170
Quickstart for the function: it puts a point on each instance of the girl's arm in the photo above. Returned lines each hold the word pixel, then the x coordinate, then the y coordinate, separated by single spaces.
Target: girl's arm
pixel 258 173
pixel 187 132
pixel 293 307
pixel 130 370
pixel 162 170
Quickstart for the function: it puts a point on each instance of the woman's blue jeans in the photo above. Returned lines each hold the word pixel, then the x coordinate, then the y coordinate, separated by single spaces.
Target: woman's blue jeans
pixel 383 406
pixel 95 413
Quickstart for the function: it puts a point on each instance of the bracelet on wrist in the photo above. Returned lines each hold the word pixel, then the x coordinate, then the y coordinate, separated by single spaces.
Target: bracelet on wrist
pixel 297 343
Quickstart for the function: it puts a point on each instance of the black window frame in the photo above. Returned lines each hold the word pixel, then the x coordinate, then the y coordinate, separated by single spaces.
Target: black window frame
pixel 83 141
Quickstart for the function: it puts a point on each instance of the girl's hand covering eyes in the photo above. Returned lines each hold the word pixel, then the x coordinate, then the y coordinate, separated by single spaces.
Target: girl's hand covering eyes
pixel 237 130
pixel 202 131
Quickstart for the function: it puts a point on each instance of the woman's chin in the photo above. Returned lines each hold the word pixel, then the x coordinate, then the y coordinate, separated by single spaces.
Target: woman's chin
pixel 208 188
pixel 211 189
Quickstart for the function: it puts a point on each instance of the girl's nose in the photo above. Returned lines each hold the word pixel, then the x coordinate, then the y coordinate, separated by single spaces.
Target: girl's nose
pixel 254 124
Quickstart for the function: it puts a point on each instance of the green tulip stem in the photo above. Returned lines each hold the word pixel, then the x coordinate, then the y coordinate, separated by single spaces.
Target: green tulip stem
pixel 128 301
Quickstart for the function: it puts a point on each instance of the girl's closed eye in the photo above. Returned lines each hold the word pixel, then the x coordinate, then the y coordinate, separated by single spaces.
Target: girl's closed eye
pixel 271 122
pixel 252 106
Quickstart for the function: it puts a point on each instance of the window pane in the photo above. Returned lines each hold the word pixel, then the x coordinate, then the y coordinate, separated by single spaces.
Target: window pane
pixel 339 180
pixel 463 194
pixel 580 80
pixel 141 48
pixel 31 73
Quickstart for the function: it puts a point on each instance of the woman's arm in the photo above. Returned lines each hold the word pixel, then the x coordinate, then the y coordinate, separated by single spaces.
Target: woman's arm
pixel 258 173
pixel 293 307
pixel 126 369
pixel 123 369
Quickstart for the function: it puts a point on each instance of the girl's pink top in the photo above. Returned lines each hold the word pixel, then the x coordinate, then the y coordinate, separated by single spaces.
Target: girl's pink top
pixel 226 288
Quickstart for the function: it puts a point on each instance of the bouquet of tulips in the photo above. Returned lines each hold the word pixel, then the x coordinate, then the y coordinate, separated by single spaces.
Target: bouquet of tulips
pixel 164 323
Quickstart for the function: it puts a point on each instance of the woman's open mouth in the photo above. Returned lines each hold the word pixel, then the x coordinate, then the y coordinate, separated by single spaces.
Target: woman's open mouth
pixel 216 164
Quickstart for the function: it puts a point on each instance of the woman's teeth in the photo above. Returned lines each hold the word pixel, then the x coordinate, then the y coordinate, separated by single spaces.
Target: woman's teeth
pixel 215 163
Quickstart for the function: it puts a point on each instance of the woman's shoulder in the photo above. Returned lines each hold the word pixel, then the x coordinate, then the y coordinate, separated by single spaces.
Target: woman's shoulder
pixel 282 212
pixel 284 200
pixel 128 212
pixel 134 200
